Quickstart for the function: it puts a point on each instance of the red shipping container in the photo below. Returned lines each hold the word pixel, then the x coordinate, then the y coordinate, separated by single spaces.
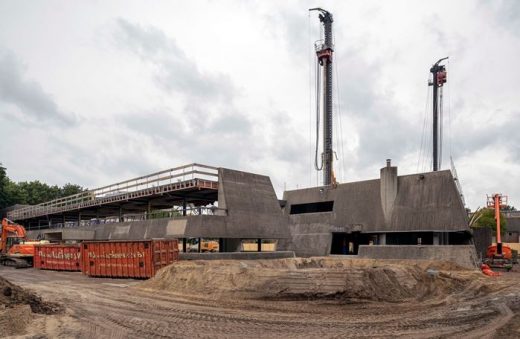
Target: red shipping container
pixel 57 257
pixel 127 259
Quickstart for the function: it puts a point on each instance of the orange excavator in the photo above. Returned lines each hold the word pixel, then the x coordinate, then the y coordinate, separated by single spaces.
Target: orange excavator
pixel 15 249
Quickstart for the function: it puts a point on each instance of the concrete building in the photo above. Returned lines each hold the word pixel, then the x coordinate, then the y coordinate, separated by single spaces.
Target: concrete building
pixel 419 209
pixel 238 207
pixel 417 216
pixel 512 233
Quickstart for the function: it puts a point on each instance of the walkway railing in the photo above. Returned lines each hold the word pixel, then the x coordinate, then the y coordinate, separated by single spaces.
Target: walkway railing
pixel 173 179
pixel 174 213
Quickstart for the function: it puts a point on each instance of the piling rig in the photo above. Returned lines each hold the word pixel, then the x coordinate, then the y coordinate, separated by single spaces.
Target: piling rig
pixel 324 51
pixel 439 78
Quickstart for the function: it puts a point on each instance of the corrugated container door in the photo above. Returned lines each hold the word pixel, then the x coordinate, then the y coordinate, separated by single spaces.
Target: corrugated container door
pixel 146 262
pixel 37 258
pixel 164 253
pixel 85 269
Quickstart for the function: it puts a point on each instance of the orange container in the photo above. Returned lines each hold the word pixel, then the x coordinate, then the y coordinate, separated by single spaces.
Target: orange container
pixel 127 259
pixel 57 257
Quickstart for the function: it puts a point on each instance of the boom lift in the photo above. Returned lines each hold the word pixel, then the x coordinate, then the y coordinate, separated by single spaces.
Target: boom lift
pixel 498 256
pixel 15 249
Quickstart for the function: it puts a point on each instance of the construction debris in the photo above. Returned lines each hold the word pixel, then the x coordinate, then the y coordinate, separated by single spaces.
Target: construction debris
pixel 17 308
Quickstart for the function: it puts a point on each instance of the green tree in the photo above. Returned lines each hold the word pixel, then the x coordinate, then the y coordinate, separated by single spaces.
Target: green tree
pixel 4 182
pixel 31 192
pixel 486 218
pixel 70 189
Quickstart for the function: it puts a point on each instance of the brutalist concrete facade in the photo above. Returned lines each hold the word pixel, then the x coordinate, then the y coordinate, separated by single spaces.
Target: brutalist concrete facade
pixel 247 209
pixel 392 210
pixel 416 209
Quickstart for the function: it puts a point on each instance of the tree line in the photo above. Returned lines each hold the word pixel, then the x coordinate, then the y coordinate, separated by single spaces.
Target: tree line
pixel 31 192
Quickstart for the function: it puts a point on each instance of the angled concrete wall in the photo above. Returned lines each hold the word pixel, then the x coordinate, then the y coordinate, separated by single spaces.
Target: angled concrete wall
pixel 252 207
pixel 427 202
pixel 422 202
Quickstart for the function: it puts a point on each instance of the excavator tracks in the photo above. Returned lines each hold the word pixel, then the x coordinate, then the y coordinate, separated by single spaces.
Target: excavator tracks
pixel 14 262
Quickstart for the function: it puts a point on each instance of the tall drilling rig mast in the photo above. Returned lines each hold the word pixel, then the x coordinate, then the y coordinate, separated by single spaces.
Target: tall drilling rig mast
pixel 324 50
pixel 438 80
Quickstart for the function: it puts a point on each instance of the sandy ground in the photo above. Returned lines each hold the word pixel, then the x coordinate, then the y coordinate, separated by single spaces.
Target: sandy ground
pixel 265 299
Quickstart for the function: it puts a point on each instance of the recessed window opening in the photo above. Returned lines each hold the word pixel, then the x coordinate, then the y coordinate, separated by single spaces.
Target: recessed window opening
pixel 313 207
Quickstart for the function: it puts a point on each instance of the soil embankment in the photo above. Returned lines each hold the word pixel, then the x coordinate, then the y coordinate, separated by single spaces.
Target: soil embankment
pixel 316 278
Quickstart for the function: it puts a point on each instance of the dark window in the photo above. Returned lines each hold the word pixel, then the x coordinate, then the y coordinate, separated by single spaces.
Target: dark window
pixel 348 243
pixel 313 207
pixel 409 238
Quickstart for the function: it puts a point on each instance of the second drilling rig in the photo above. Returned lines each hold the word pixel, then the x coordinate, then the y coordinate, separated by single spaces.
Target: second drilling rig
pixel 324 50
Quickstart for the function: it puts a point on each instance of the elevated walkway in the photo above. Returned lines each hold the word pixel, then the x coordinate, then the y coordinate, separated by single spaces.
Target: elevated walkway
pixel 194 184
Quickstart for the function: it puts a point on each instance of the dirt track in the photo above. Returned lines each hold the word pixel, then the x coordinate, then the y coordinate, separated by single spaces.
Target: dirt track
pixel 117 309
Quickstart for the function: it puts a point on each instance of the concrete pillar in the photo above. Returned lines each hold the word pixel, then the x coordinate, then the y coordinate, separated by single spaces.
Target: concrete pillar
pixel 120 214
pixel 388 190
pixel 436 239
pixel 184 245
pixel 148 210
pixel 259 247
pixel 184 207
pixel 198 247
pixel 79 218
pixel 382 239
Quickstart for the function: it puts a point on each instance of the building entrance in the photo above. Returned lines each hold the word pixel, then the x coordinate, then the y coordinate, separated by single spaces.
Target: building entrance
pixel 348 243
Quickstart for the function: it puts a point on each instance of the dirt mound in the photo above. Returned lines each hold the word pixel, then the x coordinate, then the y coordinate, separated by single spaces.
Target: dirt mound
pixel 309 278
pixel 12 295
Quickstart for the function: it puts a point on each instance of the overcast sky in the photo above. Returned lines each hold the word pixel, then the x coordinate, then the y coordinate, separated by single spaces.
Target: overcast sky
pixel 101 91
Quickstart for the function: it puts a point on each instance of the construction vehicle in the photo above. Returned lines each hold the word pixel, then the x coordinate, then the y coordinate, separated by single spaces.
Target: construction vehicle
pixel 498 256
pixel 15 249
pixel 209 246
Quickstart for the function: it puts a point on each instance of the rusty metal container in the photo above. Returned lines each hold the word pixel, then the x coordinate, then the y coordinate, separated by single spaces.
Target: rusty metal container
pixel 127 259
pixel 57 257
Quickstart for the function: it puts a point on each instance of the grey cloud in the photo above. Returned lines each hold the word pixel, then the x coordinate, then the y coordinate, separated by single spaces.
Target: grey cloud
pixel 507 13
pixel 156 124
pixel 231 124
pixel 208 128
pixel 175 71
pixel 29 96
pixel 290 27
pixel 383 133
pixel 469 138
pixel 225 139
